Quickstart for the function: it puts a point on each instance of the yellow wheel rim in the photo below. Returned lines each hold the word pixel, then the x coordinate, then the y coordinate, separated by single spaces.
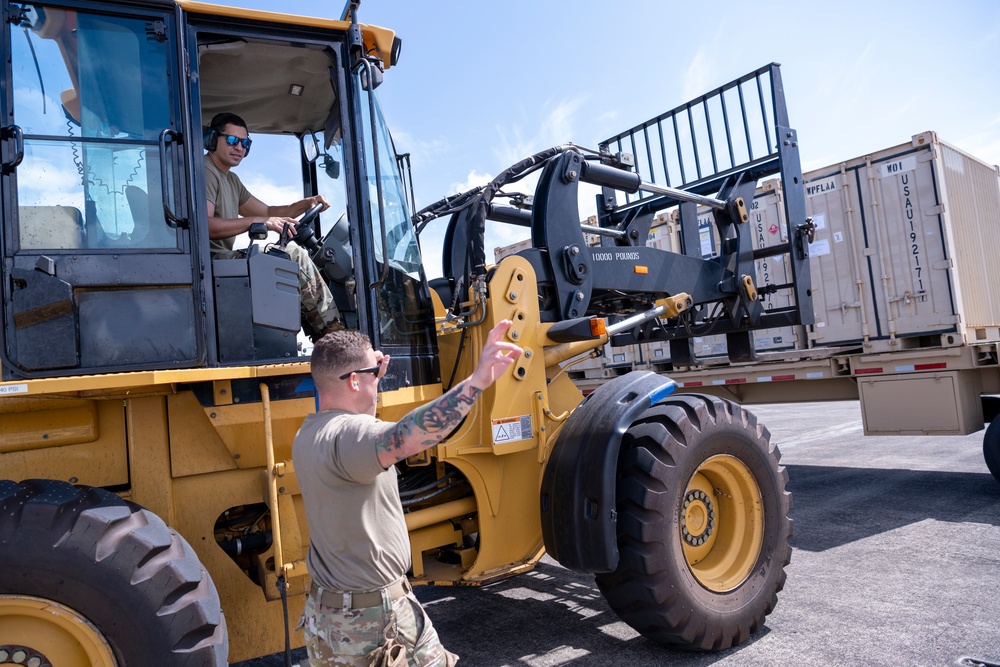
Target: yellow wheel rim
pixel 35 632
pixel 722 523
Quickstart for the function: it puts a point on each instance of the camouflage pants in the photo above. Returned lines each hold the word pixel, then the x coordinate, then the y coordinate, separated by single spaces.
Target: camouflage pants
pixel 338 637
pixel 319 312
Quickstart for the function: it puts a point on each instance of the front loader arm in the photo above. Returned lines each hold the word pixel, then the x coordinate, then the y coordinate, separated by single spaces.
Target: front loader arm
pixel 598 280
pixel 717 168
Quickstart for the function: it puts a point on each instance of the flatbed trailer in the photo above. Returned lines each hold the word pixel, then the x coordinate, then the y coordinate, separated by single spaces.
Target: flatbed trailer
pixel 905 316
pixel 909 392
pixel 921 391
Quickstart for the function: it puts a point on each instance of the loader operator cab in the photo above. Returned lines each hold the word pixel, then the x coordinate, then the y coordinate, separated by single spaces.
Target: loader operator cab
pixel 105 244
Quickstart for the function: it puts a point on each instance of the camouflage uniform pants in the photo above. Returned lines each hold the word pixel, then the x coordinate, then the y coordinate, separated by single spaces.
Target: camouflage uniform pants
pixel 319 312
pixel 337 637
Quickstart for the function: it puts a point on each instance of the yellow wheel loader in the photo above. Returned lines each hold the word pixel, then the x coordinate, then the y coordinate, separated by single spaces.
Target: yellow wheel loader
pixel 150 392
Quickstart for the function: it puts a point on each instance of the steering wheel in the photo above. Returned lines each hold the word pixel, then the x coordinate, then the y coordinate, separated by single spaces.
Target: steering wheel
pixel 309 216
pixel 304 234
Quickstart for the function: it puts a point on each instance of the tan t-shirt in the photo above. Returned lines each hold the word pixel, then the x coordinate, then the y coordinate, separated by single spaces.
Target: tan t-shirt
pixel 357 535
pixel 226 191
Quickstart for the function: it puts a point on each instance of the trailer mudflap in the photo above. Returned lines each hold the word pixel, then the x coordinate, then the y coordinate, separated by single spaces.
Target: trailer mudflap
pixel 579 484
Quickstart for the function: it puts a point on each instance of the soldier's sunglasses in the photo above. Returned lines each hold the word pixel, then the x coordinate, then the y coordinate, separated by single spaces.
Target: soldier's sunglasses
pixel 371 369
pixel 232 140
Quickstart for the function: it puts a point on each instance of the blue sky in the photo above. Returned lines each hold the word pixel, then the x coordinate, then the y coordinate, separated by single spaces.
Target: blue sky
pixel 482 84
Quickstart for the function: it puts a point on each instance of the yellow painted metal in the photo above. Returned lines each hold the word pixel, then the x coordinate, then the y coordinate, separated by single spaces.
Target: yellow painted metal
pixel 749 288
pixel 40 423
pixel 196 447
pixel 149 457
pixel 431 537
pixel 731 546
pixel 288 483
pixel 240 430
pixel 393 405
pixel 65 637
pixel 254 619
pixel 450 510
pixel 98 459
pixel 675 304
pixel 375 38
pixel 505 475
pixel 272 479
pixel 126 385
pixel 222 391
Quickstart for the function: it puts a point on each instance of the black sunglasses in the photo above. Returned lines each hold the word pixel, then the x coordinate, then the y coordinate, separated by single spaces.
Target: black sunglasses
pixel 371 369
pixel 232 140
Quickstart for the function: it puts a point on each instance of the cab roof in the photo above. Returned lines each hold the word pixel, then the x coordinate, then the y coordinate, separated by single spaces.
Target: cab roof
pixel 377 41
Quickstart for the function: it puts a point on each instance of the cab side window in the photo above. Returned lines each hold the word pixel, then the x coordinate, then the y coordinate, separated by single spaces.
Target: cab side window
pixel 90 177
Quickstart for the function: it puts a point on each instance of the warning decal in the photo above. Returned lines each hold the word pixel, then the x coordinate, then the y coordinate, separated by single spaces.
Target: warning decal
pixel 511 429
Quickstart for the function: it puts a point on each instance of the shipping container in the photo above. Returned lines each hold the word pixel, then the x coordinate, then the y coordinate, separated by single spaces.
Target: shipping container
pixel 512 249
pixel 906 301
pixel 903 239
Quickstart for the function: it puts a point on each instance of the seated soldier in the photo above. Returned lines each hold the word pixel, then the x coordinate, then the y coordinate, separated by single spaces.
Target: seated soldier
pixel 232 209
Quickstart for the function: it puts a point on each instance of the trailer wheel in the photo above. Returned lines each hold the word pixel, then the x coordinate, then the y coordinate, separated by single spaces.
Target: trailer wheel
pixel 703 526
pixel 90 580
pixel 991 448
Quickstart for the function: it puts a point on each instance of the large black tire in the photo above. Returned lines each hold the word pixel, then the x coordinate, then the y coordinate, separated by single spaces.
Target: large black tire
pixel 703 525
pixel 109 574
pixel 991 448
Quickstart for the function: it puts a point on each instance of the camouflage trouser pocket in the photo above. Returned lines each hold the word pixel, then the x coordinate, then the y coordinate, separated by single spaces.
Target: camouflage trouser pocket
pixel 341 637
pixel 417 633
pixel 345 637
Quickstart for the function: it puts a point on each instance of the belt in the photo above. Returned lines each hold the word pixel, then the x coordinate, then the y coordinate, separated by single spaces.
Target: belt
pixel 351 600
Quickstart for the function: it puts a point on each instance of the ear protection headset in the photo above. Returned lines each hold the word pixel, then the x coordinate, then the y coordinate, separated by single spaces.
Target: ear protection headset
pixel 211 140
pixel 213 134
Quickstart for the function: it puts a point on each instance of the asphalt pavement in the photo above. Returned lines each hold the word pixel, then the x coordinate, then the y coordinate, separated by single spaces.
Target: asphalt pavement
pixel 896 561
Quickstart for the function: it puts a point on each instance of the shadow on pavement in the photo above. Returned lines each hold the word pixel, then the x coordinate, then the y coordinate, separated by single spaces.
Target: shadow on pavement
pixel 549 616
pixel 833 506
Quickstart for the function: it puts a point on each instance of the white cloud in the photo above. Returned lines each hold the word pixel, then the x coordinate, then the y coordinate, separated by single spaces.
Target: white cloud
pixel 555 127
pixel 984 143
pixel 43 183
pixel 699 76
pixel 269 192
pixel 423 152
pixel 474 179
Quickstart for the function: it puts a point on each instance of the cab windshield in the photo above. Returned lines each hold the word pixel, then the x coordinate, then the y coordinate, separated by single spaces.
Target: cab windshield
pixel 403 306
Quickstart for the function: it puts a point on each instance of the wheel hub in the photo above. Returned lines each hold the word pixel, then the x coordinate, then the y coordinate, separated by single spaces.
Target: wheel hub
pixel 13 654
pixel 697 518
pixel 50 634
pixel 721 521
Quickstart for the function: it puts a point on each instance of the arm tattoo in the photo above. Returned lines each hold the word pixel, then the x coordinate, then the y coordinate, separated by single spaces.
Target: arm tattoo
pixel 433 421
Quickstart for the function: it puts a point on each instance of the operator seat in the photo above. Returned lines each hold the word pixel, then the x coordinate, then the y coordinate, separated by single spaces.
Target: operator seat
pixel 256 303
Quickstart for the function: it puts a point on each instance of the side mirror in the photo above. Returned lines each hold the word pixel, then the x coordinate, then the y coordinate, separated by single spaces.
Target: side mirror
pixel 310 146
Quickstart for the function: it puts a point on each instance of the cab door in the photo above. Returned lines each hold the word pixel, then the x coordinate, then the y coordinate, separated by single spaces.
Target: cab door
pixel 97 263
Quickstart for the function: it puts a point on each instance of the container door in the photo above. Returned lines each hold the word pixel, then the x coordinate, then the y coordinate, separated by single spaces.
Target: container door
pixel 842 297
pixel 98 275
pixel 903 219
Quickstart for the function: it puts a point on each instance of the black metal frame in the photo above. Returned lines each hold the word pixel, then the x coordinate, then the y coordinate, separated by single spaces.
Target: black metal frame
pixel 710 151
pixel 749 152
pixel 97 267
